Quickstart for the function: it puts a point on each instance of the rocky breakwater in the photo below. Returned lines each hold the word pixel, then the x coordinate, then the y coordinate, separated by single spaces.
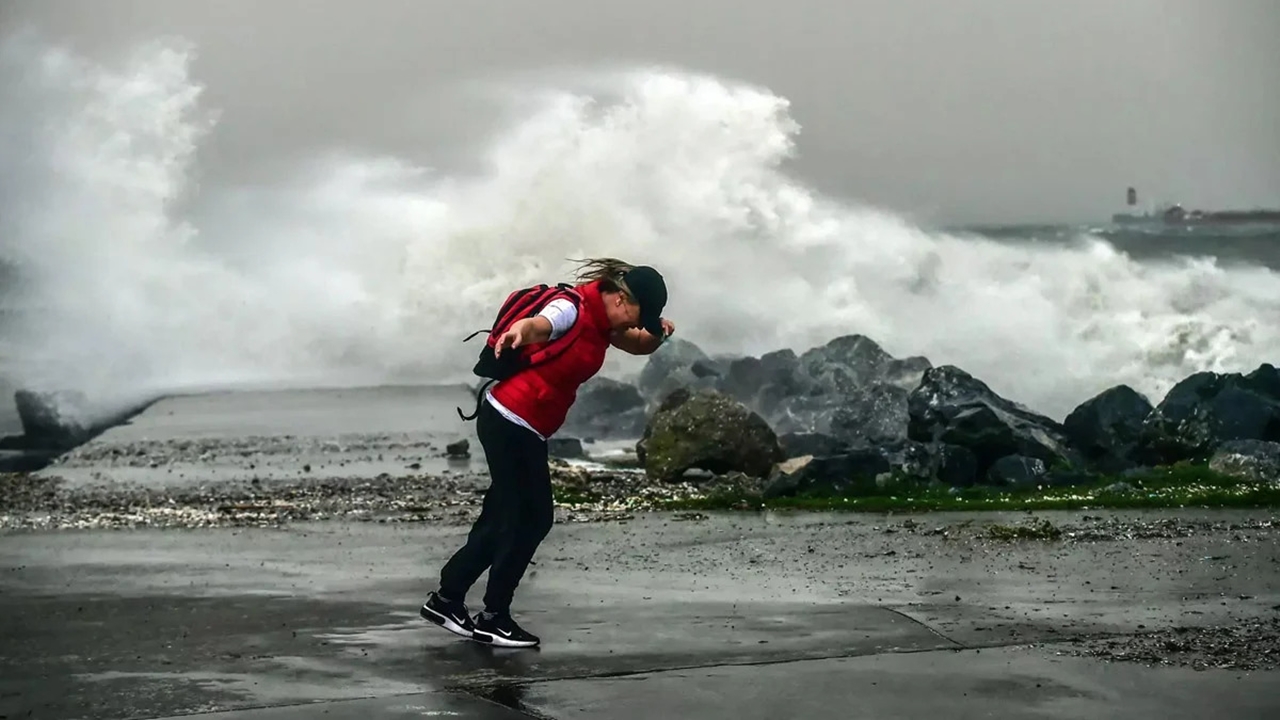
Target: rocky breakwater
pixel 55 422
pixel 846 418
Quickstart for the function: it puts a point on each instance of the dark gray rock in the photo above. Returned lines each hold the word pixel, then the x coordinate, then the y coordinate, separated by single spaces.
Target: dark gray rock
pixel 872 415
pixel 850 362
pixel 1207 409
pixel 781 367
pixel 1257 460
pixel 460 449
pixel 849 388
pixel 1073 476
pixel 707 430
pixel 867 470
pixel 868 415
pixel 1017 471
pixel 953 407
pixel 743 379
pixel 565 448
pixel 846 475
pixel 799 444
pixel 926 463
pixel 906 373
pixel 673 400
pixel 1107 428
pixel 702 369
pixel 672 366
pixel 607 409
pixel 762 383
pixel 956 466
pixel 844 364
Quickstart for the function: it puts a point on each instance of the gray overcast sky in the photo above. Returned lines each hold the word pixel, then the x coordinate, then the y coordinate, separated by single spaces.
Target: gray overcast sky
pixel 949 110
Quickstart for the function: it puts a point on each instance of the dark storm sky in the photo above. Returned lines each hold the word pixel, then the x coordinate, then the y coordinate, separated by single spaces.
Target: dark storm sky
pixel 957 111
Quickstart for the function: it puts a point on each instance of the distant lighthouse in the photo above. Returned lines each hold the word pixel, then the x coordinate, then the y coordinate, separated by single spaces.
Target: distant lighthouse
pixel 1131 196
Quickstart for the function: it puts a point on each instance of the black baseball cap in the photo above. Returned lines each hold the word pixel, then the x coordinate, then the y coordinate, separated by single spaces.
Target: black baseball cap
pixel 650 292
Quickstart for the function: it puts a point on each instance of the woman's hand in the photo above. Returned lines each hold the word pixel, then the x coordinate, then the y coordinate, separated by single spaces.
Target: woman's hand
pixel 639 341
pixel 523 332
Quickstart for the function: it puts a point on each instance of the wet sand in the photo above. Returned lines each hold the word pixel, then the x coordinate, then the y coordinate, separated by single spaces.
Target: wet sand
pixel 1164 614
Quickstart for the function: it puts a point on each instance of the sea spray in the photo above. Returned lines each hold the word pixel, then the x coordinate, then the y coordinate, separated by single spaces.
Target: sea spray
pixel 138 277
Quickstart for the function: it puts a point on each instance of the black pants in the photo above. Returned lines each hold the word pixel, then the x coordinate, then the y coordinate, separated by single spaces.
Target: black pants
pixel 517 514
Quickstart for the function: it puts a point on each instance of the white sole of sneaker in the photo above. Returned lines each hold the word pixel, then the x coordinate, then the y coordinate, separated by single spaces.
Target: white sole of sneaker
pixel 499 641
pixel 445 622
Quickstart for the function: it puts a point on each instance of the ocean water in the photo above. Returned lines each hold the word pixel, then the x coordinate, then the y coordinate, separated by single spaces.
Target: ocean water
pixel 1231 246
pixel 126 274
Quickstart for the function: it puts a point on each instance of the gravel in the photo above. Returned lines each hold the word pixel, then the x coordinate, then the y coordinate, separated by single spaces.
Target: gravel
pixel 40 502
pixel 1092 528
pixel 1252 644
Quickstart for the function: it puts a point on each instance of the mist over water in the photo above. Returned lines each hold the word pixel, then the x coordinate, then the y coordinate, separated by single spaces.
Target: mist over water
pixel 136 277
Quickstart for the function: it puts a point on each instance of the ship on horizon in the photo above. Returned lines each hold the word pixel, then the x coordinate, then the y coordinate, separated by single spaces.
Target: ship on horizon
pixel 1175 214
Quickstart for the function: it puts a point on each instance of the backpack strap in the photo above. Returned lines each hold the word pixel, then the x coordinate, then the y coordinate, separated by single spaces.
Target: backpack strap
pixel 479 399
pixel 555 347
pixel 522 304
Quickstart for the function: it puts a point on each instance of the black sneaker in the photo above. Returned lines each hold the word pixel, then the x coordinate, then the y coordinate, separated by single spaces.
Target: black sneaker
pixel 502 631
pixel 448 614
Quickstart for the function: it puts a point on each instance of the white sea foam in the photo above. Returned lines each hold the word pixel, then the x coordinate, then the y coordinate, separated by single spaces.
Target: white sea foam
pixel 371 270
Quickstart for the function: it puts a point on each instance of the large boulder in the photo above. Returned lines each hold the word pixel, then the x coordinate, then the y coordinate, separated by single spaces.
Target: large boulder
pixel 952 406
pixel 677 363
pixel 1017 471
pixel 1207 409
pixel 872 415
pixel 850 362
pixel 744 377
pixel 850 388
pixel 868 415
pixel 764 382
pixel 707 430
pixel 799 444
pixel 565 448
pixel 779 380
pixel 607 409
pixel 1107 428
pixel 846 386
pixel 873 470
pixel 924 463
pixel 849 474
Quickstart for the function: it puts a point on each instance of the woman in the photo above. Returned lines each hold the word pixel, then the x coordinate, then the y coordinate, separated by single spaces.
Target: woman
pixel 621 306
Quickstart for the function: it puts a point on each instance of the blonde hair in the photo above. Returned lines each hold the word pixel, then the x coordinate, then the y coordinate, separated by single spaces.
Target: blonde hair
pixel 608 271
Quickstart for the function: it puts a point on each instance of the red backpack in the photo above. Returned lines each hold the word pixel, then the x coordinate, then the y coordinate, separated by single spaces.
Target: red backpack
pixel 521 304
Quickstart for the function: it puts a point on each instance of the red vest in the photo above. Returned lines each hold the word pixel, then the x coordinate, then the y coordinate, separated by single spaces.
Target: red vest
pixel 543 394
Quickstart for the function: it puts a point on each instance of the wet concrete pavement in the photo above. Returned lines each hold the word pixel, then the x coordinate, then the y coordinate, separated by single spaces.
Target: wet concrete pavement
pixel 665 615
pixel 725 617
pixel 999 683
